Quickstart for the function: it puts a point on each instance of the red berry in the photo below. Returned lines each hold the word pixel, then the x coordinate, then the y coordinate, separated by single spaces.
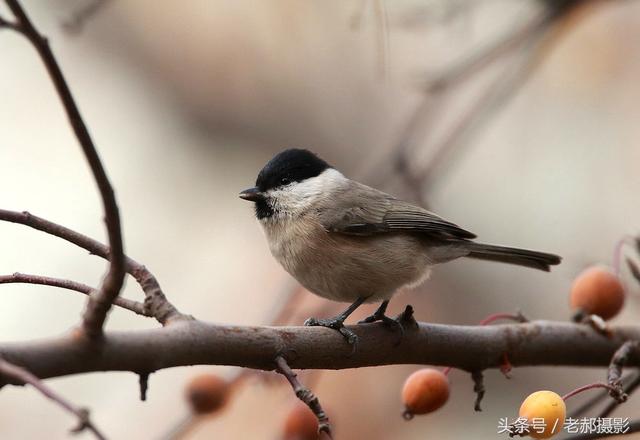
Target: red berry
pixel 425 391
pixel 300 423
pixel 597 291
pixel 207 393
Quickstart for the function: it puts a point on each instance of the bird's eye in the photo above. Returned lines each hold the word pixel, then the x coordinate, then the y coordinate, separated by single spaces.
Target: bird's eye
pixel 285 181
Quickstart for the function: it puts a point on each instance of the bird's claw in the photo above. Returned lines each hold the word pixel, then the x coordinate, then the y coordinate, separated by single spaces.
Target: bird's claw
pixel 335 324
pixel 393 323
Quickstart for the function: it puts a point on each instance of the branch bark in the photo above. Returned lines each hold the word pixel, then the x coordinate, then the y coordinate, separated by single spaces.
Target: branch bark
pixel 99 302
pixel 305 395
pixel 25 278
pixel 191 342
pixel 156 303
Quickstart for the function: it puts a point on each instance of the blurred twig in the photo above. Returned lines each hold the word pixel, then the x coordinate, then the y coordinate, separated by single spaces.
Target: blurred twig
pixel 82 15
pixel 382 40
pixel 22 376
pixel 530 42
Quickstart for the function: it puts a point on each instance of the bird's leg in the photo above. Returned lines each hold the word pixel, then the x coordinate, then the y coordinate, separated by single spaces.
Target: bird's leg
pixel 379 315
pixel 337 323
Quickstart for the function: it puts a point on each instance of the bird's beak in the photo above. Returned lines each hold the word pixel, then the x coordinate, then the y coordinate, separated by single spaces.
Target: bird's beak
pixel 251 194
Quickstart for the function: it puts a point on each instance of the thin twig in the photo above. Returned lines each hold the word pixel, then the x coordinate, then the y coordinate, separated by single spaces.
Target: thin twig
pixel 82 15
pixel 17 277
pixel 491 98
pixel 382 40
pixel 595 400
pixel 156 303
pixel 517 317
pixel 99 303
pixel 628 390
pixel 627 354
pixel 21 375
pixel 500 91
pixel 612 391
pixel 634 269
pixel 6 24
pixel 305 395
pixel 476 63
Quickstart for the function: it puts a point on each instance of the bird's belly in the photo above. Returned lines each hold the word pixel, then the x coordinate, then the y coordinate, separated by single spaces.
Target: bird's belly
pixel 344 268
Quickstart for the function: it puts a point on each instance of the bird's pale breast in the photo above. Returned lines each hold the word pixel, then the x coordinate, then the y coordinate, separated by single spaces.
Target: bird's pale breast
pixel 343 267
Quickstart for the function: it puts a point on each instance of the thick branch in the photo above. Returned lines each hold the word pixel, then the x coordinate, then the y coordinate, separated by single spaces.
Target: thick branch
pixel 22 376
pixel 156 303
pixel 99 302
pixel 25 278
pixel 184 342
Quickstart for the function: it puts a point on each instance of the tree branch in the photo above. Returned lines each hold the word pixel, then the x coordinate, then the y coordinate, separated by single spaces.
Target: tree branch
pixel 599 397
pixel 627 354
pixel 22 376
pixel 191 342
pixel 99 302
pixel 305 395
pixel 627 390
pixel 156 303
pixel 18 277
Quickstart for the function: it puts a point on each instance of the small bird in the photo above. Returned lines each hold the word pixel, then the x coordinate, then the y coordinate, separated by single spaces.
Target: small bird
pixel 348 242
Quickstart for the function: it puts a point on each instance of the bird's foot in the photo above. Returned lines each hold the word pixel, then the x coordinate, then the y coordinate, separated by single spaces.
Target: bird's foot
pixel 336 323
pixel 395 324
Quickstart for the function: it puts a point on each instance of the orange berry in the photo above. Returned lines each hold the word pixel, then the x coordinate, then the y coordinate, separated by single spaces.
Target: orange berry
pixel 425 391
pixel 597 291
pixel 545 412
pixel 207 393
pixel 300 423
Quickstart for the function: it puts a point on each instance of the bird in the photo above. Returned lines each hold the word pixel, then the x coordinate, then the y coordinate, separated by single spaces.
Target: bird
pixel 349 242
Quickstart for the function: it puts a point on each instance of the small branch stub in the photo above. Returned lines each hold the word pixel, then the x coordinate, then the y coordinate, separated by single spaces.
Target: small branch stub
pixel 478 388
pixel 143 381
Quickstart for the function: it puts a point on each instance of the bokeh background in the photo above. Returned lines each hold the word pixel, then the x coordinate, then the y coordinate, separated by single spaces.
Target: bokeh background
pixel 186 101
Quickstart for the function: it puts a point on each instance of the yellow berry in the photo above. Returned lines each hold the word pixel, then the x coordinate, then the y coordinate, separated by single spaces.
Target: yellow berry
pixel 545 412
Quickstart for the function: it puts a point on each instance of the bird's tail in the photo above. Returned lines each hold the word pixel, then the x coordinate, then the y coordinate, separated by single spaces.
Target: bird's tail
pixel 521 257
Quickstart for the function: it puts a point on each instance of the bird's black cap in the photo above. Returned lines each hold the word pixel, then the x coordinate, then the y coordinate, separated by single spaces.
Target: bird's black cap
pixel 291 165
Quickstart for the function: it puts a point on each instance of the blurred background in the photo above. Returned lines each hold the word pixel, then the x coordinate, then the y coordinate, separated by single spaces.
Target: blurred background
pixel 513 122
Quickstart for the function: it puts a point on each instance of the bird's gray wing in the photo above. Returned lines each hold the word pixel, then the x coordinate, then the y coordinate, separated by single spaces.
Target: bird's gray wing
pixel 366 211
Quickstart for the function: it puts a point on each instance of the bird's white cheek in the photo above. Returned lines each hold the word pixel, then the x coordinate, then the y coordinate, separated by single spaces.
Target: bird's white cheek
pixel 290 202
